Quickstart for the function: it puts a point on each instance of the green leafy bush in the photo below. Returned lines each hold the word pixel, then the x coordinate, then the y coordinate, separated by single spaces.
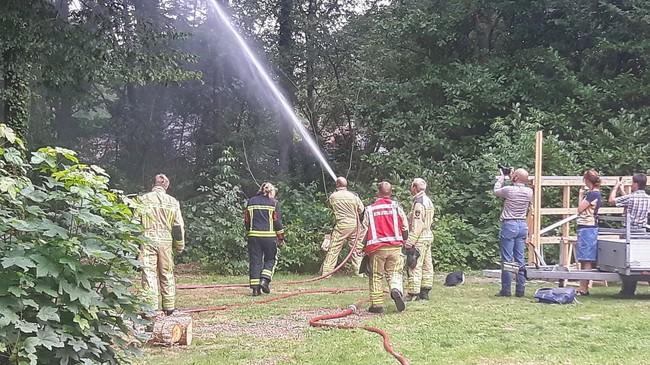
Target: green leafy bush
pixel 68 248
pixel 216 236
pixel 215 227
pixel 459 245
pixel 307 220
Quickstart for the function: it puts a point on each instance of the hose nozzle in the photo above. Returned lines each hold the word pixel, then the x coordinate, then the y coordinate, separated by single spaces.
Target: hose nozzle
pixel 353 308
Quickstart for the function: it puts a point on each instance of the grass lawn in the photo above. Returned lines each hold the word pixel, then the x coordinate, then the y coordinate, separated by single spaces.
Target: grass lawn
pixel 462 325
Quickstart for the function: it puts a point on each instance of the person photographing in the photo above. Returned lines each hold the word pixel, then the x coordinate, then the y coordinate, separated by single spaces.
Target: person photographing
pixel 636 205
pixel 514 230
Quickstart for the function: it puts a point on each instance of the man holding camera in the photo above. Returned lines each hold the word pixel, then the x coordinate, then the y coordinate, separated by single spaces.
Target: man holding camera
pixel 514 229
pixel 637 205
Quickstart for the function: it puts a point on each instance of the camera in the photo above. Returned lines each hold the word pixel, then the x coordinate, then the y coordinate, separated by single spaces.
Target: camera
pixel 504 169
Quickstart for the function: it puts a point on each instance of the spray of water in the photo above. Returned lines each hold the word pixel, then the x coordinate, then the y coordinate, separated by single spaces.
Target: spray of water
pixel 286 107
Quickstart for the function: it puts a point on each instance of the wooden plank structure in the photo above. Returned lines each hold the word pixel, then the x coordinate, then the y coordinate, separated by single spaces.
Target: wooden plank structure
pixel 566 183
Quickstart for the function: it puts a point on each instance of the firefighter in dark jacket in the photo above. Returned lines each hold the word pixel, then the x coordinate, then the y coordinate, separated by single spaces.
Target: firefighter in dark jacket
pixel 265 234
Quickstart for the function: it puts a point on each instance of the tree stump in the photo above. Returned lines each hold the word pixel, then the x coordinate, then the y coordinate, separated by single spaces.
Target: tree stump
pixel 170 330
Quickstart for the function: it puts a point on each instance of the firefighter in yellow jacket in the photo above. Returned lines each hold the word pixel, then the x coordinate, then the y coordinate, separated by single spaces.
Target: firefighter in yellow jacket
pixel 420 269
pixel 348 210
pixel 164 229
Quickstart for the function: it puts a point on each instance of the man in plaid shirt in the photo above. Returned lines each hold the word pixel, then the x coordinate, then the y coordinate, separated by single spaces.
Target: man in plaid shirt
pixel 636 204
pixel 636 207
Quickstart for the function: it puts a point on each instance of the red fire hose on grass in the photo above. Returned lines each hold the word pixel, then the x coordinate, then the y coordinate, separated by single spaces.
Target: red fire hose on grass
pixel 316 322
pixel 270 300
pixel 313 322
pixel 297 282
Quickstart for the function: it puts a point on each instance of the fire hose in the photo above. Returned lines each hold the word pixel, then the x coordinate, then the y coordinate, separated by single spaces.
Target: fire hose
pixel 269 300
pixel 353 250
pixel 297 282
pixel 316 322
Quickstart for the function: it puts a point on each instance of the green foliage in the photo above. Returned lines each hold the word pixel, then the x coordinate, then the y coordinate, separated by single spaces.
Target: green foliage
pixel 459 245
pixel 68 249
pixel 306 220
pixel 215 221
pixel 443 90
pixel 216 230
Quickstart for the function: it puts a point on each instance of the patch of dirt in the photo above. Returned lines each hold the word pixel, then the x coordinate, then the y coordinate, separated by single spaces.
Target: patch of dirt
pixel 291 326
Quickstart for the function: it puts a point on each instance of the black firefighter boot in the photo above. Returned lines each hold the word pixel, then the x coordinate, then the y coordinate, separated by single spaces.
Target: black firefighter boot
pixel 265 284
pixel 398 298
pixel 424 293
pixel 256 291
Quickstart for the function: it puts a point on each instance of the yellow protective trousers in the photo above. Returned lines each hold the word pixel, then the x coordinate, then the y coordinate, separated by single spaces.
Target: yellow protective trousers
pixel 387 263
pixel 422 275
pixel 341 236
pixel 158 272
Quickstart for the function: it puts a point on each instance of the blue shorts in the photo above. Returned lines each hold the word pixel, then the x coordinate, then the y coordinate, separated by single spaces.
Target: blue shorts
pixel 587 245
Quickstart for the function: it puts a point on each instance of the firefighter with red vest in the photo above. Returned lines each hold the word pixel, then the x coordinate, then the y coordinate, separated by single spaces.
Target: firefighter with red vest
pixel 387 230
pixel 264 232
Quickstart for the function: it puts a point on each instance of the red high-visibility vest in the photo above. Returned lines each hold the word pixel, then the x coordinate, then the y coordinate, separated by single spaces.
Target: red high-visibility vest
pixel 385 225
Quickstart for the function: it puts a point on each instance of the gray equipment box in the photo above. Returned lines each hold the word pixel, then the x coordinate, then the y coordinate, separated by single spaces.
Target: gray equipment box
pixel 626 256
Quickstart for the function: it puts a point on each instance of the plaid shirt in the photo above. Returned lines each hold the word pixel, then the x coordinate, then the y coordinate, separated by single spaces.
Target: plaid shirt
pixel 636 207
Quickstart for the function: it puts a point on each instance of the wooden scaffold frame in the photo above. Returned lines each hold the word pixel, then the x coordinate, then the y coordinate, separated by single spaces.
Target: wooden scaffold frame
pixel 568 212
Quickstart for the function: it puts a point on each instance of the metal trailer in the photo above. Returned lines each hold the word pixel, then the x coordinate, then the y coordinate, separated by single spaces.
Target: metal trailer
pixel 623 255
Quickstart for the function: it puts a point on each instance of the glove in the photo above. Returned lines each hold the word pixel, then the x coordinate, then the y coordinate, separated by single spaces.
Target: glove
pixel 364 267
pixel 177 233
pixel 327 241
pixel 412 256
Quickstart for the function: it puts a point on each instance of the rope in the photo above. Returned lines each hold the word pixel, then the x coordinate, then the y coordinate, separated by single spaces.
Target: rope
pixel 248 166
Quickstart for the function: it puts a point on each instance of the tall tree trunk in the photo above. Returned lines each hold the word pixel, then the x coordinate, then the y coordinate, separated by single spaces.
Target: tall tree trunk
pixel 64 125
pixel 285 47
pixel 17 91
pixel 311 55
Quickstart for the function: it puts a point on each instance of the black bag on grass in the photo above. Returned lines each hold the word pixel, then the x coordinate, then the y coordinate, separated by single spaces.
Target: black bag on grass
pixel 556 295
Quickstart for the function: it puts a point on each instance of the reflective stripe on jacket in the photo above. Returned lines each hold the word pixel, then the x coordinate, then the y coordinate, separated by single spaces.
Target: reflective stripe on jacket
pixel 421 218
pixel 385 221
pixel 160 212
pixel 262 217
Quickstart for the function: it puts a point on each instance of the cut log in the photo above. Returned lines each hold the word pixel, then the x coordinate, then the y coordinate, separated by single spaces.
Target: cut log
pixel 170 330
pixel 186 323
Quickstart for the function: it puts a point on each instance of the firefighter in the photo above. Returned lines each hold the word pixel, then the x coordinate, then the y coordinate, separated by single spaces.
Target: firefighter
pixel 263 222
pixel 347 208
pixel 420 277
pixel 164 229
pixel 387 230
